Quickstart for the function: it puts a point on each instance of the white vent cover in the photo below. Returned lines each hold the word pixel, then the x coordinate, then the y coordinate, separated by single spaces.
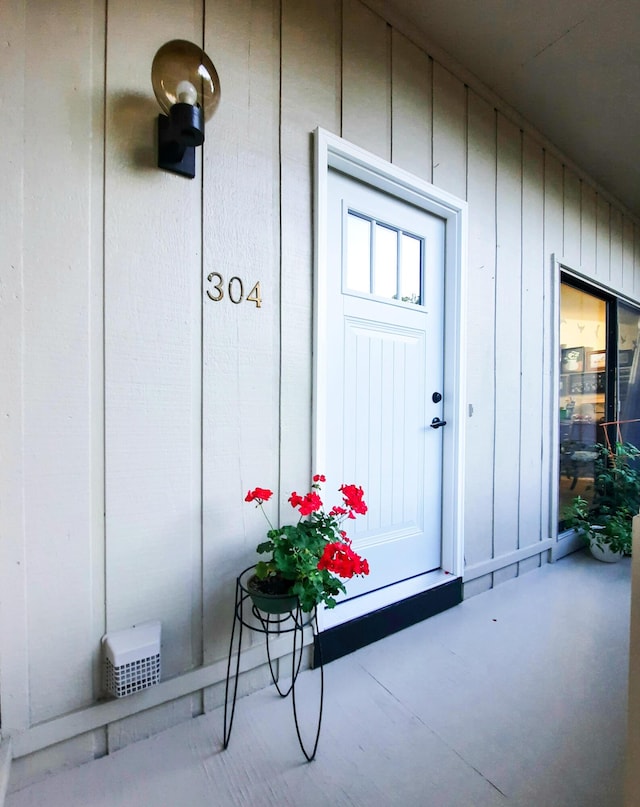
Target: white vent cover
pixel 132 658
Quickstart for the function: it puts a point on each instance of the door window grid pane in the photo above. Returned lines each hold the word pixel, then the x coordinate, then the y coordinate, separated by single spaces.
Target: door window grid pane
pixel 383 260
pixel 358 253
pixel 410 268
pixel 385 263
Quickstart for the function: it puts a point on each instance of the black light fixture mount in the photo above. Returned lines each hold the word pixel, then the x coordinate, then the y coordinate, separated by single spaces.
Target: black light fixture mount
pixel 187 87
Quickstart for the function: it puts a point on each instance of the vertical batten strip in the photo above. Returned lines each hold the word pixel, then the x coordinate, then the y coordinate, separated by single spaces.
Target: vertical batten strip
pixel 553 207
pixel 522 470
pixel 366 85
pixel 588 228
pixel 571 244
pixel 495 340
pixel 480 431
pixel 627 255
pixel 603 240
pixel 533 472
pixel 508 340
pixel 310 97
pixel 14 669
pixel 197 391
pixel 198 574
pixel 97 347
pixel 281 281
pixel 411 107
pixel 616 275
pixel 449 132
pixel 61 355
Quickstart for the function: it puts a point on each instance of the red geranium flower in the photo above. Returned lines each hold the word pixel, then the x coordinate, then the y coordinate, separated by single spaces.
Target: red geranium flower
pixel 295 500
pixel 319 478
pixel 258 495
pixel 353 498
pixel 342 560
pixel 310 504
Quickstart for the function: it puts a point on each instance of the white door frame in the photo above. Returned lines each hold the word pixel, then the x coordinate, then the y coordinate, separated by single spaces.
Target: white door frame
pixel 332 151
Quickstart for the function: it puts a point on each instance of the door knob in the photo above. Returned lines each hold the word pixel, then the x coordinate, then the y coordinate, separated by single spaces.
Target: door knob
pixel 436 423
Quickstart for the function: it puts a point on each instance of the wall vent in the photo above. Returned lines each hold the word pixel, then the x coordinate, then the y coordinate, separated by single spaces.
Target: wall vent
pixel 131 659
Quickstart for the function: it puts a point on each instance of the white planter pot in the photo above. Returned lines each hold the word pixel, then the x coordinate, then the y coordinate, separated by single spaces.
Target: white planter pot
pixel 605 554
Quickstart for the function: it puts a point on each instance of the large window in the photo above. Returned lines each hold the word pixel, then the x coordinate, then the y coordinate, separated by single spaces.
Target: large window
pixel 598 383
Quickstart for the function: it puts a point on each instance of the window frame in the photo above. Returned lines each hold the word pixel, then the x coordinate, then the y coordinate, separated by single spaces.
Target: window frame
pixel 565 539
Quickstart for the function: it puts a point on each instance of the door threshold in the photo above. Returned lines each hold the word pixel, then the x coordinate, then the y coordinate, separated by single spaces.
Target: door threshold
pixel 344 638
pixel 362 604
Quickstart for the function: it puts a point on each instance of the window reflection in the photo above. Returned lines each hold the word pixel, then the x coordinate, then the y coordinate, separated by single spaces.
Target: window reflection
pixel 583 374
pixel 599 383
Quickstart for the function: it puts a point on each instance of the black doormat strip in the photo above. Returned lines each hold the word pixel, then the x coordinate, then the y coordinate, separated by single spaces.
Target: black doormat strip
pixel 342 639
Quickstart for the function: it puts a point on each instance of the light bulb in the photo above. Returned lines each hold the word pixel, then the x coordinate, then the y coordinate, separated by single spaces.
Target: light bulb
pixel 183 73
pixel 186 93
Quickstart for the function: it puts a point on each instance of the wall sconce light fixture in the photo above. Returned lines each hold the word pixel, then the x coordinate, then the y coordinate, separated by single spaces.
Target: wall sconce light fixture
pixel 187 87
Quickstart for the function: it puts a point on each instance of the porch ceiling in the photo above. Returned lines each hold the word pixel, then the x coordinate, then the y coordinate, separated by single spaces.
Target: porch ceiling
pixel 571 68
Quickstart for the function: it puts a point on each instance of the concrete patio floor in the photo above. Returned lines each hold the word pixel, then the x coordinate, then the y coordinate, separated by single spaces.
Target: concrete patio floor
pixel 516 697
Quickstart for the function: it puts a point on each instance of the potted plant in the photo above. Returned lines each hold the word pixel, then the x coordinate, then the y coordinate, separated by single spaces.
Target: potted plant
pixel 606 523
pixel 308 559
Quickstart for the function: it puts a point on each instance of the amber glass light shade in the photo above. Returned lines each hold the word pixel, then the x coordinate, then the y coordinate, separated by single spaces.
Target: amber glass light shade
pixel 183 73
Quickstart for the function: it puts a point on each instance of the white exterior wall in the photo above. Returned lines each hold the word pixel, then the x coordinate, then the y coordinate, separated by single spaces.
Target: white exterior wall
pixel 136 412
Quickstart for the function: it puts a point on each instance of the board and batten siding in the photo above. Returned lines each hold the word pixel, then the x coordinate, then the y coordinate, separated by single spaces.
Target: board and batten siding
pixel 136 411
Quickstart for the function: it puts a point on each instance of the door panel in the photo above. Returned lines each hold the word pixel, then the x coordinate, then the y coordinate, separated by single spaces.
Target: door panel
pixel 385 356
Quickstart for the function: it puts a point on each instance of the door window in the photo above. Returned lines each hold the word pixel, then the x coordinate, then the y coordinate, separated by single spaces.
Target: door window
pixel 382 260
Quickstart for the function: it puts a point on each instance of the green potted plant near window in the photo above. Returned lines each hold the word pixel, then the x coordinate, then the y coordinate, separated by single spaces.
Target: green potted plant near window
pixel 310 558
pixel 606 523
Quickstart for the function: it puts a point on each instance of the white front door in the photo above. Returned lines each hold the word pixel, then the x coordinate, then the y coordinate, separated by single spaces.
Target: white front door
pixel 384 382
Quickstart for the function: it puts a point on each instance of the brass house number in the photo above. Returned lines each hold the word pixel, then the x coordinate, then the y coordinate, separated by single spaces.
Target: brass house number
pixel 234 290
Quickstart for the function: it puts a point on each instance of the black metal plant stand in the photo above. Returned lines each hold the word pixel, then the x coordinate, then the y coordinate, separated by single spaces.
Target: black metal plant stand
pixel 293 621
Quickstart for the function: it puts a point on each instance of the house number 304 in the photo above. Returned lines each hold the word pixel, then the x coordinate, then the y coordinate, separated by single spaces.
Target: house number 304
pixel 234 290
